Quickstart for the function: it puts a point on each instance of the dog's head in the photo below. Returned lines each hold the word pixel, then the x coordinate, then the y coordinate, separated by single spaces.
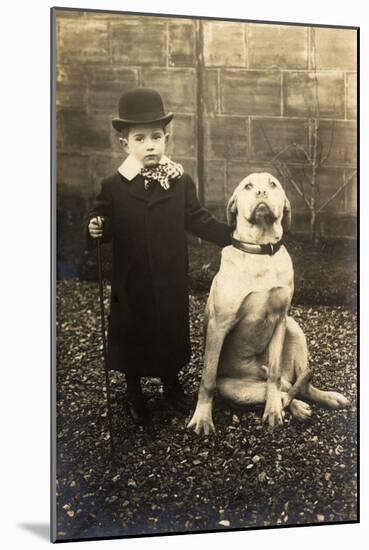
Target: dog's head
pixel 261 200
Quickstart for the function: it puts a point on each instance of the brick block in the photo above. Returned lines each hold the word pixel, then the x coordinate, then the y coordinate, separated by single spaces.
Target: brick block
pixel 82 41
pixel 115 147
pixel 81 132
pixel 219 211
pixel 250 92
pixel 182 142
pixel 59 130
pixel 72 174
pixel 214 182
pixel 272 136
pixel 335 48
pixel 226 137
pixel 236 171
pixel 105 87
pixel 138 41
pixel 299 94
pixel 277 46
pixel 176 86
pixel 329 180
pixel 181 44
pixel 340 139
pixel 71 87
pixel 300 176
pixel 211 93
pixel 351 109
pixel 101 166
pixel 189 165
pixel 103 16
pixel 71 237
pixel 342 225
pixel 351 194
pixel 300 223
pixel 68 14
pixel 224 44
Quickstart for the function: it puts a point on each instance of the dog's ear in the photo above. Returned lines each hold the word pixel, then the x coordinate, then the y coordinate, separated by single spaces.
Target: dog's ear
pixel 232 212
pixel 286 220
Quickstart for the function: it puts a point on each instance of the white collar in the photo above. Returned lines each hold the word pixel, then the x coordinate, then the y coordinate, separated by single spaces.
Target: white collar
pixel 131 166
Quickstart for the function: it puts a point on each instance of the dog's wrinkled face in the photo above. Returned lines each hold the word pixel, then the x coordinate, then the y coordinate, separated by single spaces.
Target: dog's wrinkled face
pixel 261 200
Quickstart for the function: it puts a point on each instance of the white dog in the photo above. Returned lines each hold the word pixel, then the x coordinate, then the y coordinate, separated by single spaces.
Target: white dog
pixel 255 352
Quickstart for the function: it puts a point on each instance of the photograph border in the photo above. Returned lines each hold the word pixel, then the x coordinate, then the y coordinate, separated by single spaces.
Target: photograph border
pixel 53 278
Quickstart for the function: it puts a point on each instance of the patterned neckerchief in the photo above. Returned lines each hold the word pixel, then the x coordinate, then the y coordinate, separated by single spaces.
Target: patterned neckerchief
pixel 162 173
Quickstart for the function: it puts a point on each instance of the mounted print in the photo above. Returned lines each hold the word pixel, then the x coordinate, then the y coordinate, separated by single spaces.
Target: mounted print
pixel 204 206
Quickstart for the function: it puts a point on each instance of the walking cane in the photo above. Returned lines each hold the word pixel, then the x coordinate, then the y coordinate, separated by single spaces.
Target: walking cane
pixel 102 312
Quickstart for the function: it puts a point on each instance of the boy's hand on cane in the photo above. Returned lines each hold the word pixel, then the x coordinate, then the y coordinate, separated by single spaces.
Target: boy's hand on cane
pixel 95 227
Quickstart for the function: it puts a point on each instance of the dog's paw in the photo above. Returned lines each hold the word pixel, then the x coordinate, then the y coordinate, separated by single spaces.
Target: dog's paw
pixel 300 410
pixel 273 413
pixel 336 400
pixel 202 421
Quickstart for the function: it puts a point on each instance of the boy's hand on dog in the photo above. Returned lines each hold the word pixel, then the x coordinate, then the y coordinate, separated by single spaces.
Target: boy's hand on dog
pixel 95 227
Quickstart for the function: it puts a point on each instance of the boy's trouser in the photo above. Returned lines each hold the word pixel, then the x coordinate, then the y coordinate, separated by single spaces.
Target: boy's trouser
pixel 134 389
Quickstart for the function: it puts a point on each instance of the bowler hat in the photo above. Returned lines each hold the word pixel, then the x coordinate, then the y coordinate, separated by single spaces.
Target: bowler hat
pixel 140 106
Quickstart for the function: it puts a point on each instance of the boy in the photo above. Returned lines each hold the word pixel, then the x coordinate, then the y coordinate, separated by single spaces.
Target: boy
pixel 145 208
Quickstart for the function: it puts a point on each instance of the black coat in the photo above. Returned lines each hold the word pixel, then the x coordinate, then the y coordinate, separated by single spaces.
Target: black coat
pixel 148 330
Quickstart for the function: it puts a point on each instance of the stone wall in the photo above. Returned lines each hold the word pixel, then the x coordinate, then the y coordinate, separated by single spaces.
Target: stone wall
pixel 265 85
pixel 261 87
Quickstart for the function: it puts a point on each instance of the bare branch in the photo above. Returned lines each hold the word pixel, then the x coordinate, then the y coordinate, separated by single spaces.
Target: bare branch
pixel 314 162
pixel 314 68
pixel 319 145
pixel 284 150
pixel 303 151
pixel 330 144
pixel 305 176
pixel 277 164
pixel 346 181
pixel 292 146
pixel 266 138
pixel 288 176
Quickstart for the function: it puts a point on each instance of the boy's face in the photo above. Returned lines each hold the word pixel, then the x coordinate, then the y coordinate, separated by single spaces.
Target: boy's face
pixel 146 142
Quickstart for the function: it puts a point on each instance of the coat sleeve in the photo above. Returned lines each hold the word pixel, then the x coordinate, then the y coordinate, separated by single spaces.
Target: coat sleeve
pixel 200 221
pixel 102 207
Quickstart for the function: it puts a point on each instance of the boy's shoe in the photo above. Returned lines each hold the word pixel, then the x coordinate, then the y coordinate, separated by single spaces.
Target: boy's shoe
pixel 135 406
pixel 174 395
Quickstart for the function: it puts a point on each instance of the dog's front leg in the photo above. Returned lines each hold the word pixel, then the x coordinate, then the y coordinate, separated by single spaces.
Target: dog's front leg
pixel 202 418
pixel 273 411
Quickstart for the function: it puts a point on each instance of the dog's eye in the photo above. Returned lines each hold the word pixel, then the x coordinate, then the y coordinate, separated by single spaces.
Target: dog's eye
pixel 249 186
pixel 272 184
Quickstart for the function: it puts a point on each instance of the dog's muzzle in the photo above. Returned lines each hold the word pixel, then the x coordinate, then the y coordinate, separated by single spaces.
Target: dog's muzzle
pixel 262 213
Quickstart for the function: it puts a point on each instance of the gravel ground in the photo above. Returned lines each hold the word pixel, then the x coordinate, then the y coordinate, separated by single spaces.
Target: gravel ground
pixel 167 479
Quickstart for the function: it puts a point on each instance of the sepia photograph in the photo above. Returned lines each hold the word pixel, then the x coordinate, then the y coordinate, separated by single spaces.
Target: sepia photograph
pixel 204 255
